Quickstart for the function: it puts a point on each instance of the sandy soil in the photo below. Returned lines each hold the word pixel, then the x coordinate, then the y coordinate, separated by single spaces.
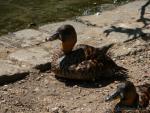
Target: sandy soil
pixel 42 92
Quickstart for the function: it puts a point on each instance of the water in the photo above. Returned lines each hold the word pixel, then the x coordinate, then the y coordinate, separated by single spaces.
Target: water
pixel 18 14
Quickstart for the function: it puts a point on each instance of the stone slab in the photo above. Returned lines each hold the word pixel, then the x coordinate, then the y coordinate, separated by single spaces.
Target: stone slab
pixel 36 57
pixel 123 14
pixel 9 41
pixel 30 37
pixel 51 28
pixel 120 25
pixel 23 38
pixel 10 72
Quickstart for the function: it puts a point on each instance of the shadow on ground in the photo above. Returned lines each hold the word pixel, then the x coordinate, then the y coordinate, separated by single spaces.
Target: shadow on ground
pixel 145 21
pixel 135 32
pixel 95 84
pixel 4 80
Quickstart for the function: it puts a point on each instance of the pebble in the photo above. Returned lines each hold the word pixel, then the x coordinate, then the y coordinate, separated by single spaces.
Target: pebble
pixel 79 110
pixel 3 101
pixel 4 89
pixel 77 97
pixel 21 81
pixel 141 57
pixel 75 86
pixel 42 75
pixel 98 13
pixel 89 110
pixel 46 86
pixel 38 78
pixel 71 99
pixel 55 110
pixel 84 104
pixel 36 89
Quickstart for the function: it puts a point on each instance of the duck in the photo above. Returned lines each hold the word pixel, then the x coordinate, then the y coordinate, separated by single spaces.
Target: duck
pixel 80 62
pixel 133 99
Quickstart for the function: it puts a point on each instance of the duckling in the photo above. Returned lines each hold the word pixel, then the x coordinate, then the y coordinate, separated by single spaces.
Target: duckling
pixel 132 99
pixel 82 62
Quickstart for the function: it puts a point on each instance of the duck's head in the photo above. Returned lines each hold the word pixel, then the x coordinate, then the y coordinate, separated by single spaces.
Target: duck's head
pixel 126 92
pixel 68 36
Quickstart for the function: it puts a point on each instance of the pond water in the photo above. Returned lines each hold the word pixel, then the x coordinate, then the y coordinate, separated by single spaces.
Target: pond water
pixel 18 14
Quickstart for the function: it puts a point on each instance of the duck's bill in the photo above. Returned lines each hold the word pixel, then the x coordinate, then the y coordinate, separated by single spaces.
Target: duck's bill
pixel 53 37
pixel 115 95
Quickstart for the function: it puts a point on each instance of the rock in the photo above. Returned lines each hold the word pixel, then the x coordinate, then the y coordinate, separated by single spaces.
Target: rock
pixel 35 57
pixel 29 37
pixel 119 15
pixel 55 110
pixel 120 25
pixel 51 28
pixel 10 72
pixel 9 41
pixel 23 38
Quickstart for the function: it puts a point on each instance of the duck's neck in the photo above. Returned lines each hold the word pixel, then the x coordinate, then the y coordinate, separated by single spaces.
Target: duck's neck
pixel 133 103
pixel 68 46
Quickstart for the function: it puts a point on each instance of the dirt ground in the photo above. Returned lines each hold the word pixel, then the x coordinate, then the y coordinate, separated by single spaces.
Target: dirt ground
pixel 42 92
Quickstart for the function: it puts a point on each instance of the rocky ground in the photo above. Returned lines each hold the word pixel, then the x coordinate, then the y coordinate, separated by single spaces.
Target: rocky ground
pixel 28 86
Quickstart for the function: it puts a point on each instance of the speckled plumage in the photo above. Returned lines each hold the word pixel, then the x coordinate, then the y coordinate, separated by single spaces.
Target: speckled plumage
pixel 84 62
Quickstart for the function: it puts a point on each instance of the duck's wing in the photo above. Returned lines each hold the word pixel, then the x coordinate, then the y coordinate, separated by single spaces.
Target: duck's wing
pixel 82 53
pixel 86 70
pixel 85 63
pixel 78 66
pixel 144 94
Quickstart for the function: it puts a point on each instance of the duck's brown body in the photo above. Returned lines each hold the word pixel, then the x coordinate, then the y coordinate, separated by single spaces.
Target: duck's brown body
pixel 132 99
pixel 83 62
